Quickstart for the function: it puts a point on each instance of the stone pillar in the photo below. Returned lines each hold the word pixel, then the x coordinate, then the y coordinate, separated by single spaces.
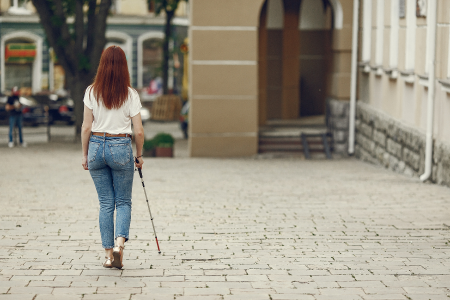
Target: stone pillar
pixel 337 123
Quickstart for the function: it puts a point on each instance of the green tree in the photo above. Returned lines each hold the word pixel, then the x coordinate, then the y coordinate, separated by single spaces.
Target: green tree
pixel 78 46
pixel 168 7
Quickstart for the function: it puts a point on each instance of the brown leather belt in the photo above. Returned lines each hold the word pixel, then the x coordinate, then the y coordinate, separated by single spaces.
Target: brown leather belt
pixel 112 135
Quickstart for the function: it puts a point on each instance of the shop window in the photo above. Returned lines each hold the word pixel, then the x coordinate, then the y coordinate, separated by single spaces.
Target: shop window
pixel 19 58
pixel 151 63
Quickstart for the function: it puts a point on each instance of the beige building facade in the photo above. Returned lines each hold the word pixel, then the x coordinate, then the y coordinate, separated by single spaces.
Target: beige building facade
pixel 404 67
pixel 255 61
pixel 259 60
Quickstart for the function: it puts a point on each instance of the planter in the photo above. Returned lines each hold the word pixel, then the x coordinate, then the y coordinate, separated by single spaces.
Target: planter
pixel 149 153
pixel 164 152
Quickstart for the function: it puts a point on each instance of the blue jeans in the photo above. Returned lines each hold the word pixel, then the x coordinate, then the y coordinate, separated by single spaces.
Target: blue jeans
pixel 111 165
pixel 15 121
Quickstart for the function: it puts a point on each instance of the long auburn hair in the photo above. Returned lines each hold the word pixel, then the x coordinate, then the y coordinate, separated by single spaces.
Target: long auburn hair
pixel 112 80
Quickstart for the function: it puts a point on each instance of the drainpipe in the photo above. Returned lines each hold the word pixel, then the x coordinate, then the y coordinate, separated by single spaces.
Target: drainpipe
pixel 351 135
pixel 430 104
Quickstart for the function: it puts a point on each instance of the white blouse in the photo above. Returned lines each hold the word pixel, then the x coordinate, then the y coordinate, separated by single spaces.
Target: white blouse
pixel 113 121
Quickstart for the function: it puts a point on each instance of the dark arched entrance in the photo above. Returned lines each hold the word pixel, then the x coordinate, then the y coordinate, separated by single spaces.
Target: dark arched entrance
pixel 294 58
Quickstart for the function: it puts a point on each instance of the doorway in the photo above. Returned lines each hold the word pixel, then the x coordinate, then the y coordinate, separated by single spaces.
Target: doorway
pixel 295 58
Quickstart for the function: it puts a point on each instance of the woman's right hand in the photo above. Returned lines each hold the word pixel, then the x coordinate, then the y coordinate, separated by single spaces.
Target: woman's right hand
pixel 141 162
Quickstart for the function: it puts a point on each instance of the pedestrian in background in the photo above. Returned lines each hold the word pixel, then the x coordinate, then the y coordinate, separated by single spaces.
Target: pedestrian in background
pixel 110 106
pixel 14 107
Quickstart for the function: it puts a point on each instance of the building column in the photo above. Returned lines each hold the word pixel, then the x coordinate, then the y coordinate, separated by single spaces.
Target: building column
pixel 291 64
pixel 262 67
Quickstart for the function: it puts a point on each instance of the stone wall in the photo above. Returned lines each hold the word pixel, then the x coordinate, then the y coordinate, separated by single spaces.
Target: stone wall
pixel 382 140
pixel 337 117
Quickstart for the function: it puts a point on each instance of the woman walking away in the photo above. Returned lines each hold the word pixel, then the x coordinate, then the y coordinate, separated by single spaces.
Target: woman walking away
pixel 110 106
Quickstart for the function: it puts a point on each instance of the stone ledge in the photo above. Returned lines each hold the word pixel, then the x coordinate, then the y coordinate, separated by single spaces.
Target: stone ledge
pixel 382 140
pixel 393 129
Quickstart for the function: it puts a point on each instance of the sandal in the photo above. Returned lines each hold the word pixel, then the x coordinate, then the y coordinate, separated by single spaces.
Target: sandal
pixel 117 257
pixel 108 262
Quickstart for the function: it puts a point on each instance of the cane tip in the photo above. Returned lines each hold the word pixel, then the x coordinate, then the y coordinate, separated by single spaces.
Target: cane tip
pixel 159 252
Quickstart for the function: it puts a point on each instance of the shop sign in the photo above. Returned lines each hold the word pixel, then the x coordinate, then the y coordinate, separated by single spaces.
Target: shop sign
pixel 20 53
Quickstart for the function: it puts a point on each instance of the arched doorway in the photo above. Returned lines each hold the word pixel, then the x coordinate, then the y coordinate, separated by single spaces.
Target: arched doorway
pixel 295 57
pixel 149 63
pixel 21 61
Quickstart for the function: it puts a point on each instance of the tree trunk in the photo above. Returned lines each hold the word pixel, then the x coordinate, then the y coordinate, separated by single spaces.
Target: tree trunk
pixel 166 52
pixel 77 89
pixel 78 52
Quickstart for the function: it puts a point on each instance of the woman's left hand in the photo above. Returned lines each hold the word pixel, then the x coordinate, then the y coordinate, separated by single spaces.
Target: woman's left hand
pixel 84 162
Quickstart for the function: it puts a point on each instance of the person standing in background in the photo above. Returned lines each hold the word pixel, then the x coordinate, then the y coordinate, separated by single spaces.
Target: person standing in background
pixel 14 108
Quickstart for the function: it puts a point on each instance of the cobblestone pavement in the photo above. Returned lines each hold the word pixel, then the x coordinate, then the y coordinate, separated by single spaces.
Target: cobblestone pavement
pixel 228 229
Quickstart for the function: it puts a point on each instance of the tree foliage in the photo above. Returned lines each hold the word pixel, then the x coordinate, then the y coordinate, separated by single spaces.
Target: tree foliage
pixel 78 44
pixel 168 7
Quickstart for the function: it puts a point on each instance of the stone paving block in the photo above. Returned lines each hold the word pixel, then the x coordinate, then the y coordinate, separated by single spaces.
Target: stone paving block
pixel 183 284
pixel 107 296
pixel 428 296
pixel 142 273
pixel 206 278
pixel 86 284
pixel 384 297
pixel 151 297
pixel 337 278
pixel 17 296
pixel 163 290
pixel 366 283
pixel 61 272
pixel 119 290
pixel 74 290
pixel 57 297
pixel 246 278
pixel 253 296
pixel 102 272
pixel 425 290
pixel 211 297
pixel 169 272
pixel 291 296
pixel 30 290
pixel 338 297
pixel 49 283
pixel 342 291
pixel 206 291
pixel 6 272
pixel 227 272
pixel 20 283
pixel 163 279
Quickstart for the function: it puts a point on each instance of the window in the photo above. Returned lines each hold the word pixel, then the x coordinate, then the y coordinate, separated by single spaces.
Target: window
pixel 367 30
pixel 410 35
pixel 393 47
pixel 379 32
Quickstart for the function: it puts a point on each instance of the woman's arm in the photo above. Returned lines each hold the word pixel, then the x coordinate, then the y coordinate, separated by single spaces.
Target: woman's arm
pixel 88 117
pixel 138 137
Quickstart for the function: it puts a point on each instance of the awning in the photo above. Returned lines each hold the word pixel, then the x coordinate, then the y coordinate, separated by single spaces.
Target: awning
pixel 20 53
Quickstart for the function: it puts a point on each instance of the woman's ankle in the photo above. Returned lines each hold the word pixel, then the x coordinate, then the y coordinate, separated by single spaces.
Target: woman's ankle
pixel 109 252
pixel 120 241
